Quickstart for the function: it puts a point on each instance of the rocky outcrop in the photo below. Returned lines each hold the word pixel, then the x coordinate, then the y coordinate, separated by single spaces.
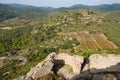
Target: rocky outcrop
pixel 66 71
pixel 73 61
pixel 76 67
pixel 41 69
pixel 104 63
pixel 97 64
pixel 72 64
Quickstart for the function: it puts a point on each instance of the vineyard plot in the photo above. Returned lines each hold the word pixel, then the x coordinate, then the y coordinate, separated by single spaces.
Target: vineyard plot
pixel 91 41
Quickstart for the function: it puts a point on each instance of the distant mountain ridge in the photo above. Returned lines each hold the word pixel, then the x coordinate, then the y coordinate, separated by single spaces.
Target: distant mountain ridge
pixel 103 7
pixel 15 10
pixel 17 5
pixel 8 11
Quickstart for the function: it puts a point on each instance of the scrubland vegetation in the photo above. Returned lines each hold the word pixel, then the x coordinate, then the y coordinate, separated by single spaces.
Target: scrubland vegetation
pixel 34 38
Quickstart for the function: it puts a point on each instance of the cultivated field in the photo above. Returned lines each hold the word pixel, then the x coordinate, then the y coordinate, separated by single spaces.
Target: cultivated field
pixel 90 41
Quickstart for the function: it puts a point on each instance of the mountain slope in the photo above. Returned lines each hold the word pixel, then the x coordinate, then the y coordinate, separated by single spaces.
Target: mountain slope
pixel 17 5
pixel 103 8
pixel 8 11
pixel 82 20
pixel 35 39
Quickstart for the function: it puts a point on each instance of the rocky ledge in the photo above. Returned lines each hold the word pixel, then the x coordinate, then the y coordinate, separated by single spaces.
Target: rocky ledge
pixel 96 67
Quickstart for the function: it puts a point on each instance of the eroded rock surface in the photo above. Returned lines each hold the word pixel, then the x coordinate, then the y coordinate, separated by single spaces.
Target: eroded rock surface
pixel 72 64
pixel 70 67
pixel 41 69
pixel 104 63
pixel 74 61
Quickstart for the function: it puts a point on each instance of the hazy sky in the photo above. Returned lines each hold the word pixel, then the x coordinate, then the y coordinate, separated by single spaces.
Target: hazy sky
pixel 60 3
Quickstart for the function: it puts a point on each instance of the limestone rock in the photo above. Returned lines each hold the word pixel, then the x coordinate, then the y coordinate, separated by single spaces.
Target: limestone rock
pixel 74 62
pixel 42 68
pixel 70 67
pixel 104 63
pixel 66 71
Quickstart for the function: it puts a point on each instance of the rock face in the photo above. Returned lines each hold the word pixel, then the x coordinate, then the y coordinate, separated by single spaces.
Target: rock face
pixel 73 61
pixel 66 71
pixel 41 69
pixel 72 64
pixel 97 64
pixel 104 63
pixel 70 67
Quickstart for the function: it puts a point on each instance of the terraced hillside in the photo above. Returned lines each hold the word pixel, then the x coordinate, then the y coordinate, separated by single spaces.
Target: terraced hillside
pixel 90 41
pixel 86 20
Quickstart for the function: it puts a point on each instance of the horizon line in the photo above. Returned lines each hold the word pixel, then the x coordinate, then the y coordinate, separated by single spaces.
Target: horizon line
pixel 58 7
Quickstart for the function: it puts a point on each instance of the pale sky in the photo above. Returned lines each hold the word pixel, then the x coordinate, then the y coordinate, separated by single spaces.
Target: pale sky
pixel 59 3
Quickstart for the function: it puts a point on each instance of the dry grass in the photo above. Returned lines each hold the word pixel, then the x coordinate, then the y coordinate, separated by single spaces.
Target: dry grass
pixel 90 41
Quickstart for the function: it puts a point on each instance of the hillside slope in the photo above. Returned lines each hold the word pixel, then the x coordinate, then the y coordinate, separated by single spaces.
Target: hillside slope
pixel 34 39
pixel 103 8
pixel 82 20
pixel 8 11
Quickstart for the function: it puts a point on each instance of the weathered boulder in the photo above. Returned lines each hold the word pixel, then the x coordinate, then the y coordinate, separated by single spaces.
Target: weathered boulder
pixel 99 63
pixel 70 67
pixel 41 69
pixel 66 71
pixel 63 64
pixel 73 63
pixel 104 63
